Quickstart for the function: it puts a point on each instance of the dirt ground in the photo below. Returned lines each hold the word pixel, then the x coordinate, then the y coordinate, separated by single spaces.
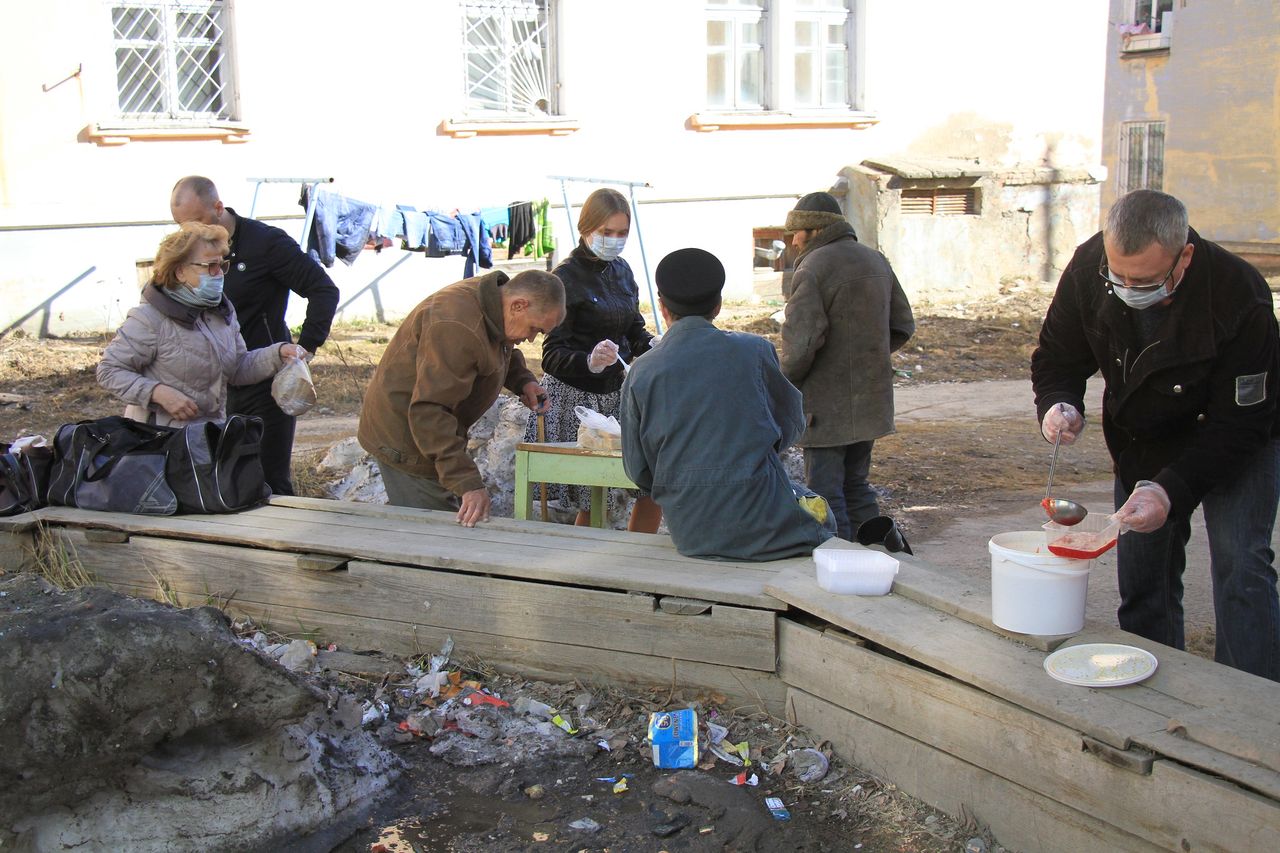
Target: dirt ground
pixel 925 467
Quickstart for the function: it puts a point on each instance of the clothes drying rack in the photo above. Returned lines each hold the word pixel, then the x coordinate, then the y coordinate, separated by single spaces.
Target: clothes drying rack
pixel 635 222
pixel 310 183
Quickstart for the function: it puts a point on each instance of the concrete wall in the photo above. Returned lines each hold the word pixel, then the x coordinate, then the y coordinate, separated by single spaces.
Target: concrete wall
pixel 1216 89
pixel 1027 227
pixel 328 89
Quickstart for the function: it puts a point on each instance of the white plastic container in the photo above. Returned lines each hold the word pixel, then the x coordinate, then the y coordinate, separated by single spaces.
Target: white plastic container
pixel 1033 591
pixel 849 569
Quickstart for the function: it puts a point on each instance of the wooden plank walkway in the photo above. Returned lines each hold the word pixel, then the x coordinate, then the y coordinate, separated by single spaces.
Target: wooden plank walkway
pixel 917 686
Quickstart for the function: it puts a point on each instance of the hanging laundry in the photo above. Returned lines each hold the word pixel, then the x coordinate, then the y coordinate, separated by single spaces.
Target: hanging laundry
pixel 340 228
pixel 478 249
pixel 445 236
pixel 415 228
pixel 388 223
pixel 522 229
pixel 546 241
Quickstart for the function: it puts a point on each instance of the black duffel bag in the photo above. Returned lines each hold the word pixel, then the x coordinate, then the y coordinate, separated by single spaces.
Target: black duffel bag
pixel 121 465
pixel 24 478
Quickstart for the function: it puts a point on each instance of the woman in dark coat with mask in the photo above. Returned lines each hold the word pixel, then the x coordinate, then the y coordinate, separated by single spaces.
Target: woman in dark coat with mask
pixel 580 357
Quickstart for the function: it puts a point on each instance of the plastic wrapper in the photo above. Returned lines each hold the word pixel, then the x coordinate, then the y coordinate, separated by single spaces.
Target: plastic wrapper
pixel 597 431
pixel 673 736
pixel 293 390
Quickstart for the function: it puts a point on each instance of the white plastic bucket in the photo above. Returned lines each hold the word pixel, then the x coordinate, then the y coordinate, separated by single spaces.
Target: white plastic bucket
pixel 1032 590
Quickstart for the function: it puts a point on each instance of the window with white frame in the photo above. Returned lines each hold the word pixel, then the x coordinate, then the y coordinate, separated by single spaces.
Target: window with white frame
pixel 508 52
pixel 735 54
pixel 1141 156
pixel 172 60
pixel 1150 13
pixel 821 53
pixel 780 54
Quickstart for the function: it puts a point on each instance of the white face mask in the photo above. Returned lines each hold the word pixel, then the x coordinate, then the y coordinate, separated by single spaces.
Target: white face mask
pixel 607 248
pixel 1140 299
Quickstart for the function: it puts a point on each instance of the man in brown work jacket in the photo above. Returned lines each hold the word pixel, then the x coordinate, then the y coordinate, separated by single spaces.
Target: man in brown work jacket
pixel 441 372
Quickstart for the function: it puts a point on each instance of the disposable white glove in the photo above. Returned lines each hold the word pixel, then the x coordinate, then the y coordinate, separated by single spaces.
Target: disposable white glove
pixel 1147 508
pixel 604 354
pixel 1065 419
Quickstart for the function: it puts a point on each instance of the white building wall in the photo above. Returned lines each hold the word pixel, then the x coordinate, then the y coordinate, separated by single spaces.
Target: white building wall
pixel 359 91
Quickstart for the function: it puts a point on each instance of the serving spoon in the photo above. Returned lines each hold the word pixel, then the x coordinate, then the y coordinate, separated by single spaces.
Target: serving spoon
pixel 1060 511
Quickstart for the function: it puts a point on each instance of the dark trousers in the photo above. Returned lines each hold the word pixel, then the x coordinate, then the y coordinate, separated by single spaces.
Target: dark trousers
pixel 1239 518
pixel 839 474
pixel 277 431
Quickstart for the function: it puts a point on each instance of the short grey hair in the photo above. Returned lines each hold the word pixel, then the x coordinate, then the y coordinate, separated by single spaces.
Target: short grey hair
pixel 1143 217
pixel 544 290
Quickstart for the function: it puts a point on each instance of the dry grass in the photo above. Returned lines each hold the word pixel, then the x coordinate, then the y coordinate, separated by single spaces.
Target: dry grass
pixel 308 480
pixel 56 560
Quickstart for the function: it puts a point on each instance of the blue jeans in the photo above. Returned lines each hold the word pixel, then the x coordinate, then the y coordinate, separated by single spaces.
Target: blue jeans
pixel 839 474
pixel 1239 519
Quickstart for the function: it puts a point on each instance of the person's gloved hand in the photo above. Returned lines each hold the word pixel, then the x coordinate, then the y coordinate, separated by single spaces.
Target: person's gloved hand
pixel 1147 508
pixel 1062 418
pixel 604 354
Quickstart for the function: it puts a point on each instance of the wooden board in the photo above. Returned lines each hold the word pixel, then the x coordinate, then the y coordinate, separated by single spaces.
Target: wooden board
pixel 1020 819
pixel 15 550
pixel 943 591
pixel 732 636
pixel 972 655
pixel 745 689
pixel 436 543
pixel 1000 737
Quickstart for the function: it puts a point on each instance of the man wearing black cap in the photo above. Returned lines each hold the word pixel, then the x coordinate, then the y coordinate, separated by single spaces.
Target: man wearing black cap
pixel 845 314
pixel 705 414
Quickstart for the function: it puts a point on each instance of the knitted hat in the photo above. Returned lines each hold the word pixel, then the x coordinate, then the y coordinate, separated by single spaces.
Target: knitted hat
pixel 816 210
pixel 690 281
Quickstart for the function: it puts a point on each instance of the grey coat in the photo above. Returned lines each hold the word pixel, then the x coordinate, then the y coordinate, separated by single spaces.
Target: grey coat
pixel 704 415
pixel 200 353
pixel 845 314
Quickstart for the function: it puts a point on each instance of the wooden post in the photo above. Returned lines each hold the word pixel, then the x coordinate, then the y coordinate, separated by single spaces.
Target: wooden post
pixel 542 437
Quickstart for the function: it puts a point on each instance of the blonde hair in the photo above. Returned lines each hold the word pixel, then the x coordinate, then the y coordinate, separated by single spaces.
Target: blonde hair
pixel 599 206
pixel 177 249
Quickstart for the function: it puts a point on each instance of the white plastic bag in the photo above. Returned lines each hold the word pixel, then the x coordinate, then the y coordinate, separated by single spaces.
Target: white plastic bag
pixel 293 390
pixel 597 431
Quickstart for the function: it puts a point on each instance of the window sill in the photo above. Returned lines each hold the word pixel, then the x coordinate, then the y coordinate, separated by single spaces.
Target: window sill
pixel 465 128
pixel 708 121
pixel 107 135
pixel 1145 43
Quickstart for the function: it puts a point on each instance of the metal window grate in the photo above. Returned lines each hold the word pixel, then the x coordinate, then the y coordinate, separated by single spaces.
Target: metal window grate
pixel 507 53
pixel 940 201
pixel 171 59
pixel 1141 156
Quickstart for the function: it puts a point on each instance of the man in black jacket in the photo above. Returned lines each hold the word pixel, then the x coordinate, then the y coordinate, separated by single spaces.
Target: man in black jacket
pixel 266 263
pixel 1185 336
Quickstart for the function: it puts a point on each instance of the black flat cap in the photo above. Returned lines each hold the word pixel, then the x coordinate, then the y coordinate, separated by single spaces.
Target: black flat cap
pixel 690 281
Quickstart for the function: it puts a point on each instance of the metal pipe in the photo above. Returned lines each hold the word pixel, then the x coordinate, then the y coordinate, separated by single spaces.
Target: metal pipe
pixel 644 261
pixel 48 226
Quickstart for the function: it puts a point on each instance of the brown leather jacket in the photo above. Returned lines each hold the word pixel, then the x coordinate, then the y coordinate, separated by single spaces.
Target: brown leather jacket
pixel 441 372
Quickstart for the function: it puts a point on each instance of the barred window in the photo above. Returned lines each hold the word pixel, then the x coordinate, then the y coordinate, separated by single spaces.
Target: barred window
pixel 172 60
pixel 508 53
pixel 1141 156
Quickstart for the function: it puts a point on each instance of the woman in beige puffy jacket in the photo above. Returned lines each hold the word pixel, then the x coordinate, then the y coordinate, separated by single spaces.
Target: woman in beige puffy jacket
pixel 175 354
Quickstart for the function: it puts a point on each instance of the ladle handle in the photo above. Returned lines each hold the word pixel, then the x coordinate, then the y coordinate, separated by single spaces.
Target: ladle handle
pixel 1053 462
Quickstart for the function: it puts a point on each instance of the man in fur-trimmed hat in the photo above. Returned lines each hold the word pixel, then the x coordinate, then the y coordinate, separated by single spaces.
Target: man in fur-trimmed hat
pixel 705 414
pixel 845 314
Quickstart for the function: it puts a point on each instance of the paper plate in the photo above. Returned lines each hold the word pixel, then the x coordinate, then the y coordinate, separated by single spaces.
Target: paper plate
pixel 1100 665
